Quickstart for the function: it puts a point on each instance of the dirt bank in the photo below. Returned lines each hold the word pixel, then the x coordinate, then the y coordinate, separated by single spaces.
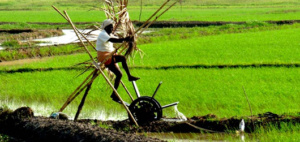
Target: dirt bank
pixel 165 24
pixel 161 24
pixel 23 125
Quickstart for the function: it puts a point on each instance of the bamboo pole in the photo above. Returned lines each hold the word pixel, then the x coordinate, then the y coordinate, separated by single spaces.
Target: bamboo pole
pixel 127 91
pixel 77 93
pixel 99 69
pixel 69 100
pixel 76 28
pixel 138 32
pixel 156 18
pixel 152 15
pixel 84 97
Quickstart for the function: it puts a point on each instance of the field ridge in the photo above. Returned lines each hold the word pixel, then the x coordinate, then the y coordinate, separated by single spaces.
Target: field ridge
pixel 195 66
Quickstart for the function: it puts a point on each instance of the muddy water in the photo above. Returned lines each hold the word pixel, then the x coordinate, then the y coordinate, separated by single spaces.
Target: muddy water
pixel 1 48
pixel 68 37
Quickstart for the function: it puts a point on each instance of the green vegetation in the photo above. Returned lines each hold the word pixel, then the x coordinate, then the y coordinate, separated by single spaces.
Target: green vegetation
pixel 212 90
pixel 287 132
pixel 22 53
pixel 179 35
pixel 189 10
pixel 95 4
pixel 204 68
pixel 176 14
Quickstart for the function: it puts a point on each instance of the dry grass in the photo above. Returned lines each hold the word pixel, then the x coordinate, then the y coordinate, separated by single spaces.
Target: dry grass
pixel 123 26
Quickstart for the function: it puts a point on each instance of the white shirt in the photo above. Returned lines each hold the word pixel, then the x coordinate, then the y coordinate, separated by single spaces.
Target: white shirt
pixel 103 44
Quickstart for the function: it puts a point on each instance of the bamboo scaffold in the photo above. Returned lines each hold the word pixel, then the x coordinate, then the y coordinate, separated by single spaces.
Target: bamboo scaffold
pixel 122 22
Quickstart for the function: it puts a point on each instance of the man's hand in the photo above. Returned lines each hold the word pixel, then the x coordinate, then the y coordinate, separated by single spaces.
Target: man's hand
pixel 128 39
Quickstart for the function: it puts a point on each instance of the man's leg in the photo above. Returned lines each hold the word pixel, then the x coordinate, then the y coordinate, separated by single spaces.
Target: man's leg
pixel 116 70
pixel 120 58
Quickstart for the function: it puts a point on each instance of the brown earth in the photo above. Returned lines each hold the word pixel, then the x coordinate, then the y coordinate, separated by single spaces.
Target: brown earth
pixel 162 24
pixel 21 124
pixel 27 34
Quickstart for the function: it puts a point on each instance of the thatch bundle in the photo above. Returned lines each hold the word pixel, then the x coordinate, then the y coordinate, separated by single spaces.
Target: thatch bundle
pixel 123 26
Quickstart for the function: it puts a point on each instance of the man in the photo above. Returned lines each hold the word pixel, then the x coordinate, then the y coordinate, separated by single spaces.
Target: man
pixel 104 47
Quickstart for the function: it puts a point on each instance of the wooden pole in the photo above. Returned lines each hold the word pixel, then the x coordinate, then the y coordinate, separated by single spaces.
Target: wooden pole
pixel 127 91
pixel 69 100
pixel 84 97
pixel 77 93
pixel 138 32
pixel 156 18
pixel 152 15
pixel 99 69
pixel 76 28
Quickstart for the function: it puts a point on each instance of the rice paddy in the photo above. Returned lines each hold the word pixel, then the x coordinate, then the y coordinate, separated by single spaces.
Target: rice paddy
pixel 204 68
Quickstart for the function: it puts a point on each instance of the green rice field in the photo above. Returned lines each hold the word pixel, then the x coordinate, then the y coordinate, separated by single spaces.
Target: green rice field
pixel 213 90
pixel 208 70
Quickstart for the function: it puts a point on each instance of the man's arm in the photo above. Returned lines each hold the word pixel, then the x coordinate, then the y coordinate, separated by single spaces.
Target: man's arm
pixel 120 40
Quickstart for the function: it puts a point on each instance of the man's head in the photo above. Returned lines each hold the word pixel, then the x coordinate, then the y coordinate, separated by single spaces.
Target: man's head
pixel 107 25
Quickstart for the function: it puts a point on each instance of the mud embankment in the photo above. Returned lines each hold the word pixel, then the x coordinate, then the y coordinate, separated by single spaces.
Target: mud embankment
pixel 22 124
pixel 163 24
pixel 16 31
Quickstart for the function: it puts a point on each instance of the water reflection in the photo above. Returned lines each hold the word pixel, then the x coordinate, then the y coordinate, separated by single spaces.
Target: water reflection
pixel 1 48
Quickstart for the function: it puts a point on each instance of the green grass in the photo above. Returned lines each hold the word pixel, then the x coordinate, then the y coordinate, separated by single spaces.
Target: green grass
pixel 174 37
pixel 214 90
pixel 94 4
pixel 174 14
pixel 278 46
pixel 199 91
pixel 287 132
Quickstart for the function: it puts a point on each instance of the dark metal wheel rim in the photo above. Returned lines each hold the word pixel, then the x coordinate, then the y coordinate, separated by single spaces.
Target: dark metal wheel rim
pixel 145 109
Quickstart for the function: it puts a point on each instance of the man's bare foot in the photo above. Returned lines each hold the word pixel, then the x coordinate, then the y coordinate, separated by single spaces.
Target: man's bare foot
pixel 132 78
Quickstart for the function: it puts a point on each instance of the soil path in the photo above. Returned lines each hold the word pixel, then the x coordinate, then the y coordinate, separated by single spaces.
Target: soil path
pixel 23 61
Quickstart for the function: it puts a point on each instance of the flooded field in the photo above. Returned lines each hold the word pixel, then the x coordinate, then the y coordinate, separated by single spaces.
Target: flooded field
pixel 44 110
pixel 68 37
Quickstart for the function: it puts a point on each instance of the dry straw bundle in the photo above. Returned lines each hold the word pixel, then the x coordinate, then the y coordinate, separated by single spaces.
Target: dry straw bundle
pixel 123 26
